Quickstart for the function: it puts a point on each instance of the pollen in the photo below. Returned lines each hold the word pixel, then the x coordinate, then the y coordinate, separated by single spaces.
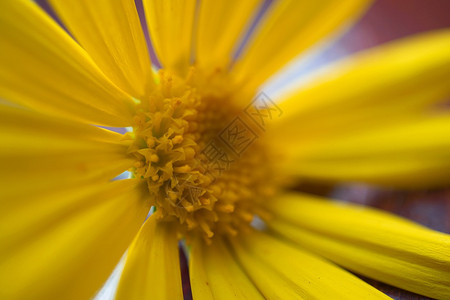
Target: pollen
pixel 202 168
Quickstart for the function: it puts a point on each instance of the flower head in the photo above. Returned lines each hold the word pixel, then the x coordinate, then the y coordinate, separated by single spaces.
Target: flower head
pixel 209 154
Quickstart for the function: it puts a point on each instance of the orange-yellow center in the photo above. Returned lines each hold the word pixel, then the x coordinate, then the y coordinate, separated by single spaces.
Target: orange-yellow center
pixel 205 162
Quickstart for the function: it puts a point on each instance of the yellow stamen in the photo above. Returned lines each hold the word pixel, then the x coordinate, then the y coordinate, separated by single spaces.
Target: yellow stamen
pixel 191 171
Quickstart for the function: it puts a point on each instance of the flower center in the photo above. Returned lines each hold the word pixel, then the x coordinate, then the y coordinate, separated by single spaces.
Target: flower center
pixel 205 164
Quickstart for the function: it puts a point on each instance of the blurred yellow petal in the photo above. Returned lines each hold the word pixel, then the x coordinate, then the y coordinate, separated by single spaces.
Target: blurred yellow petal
pixel 71 254
pixel 411 155
pixel 290 27
pixel 369 242
pixel 40 153
pixel 111 33
pixel 282 271
pixel 215 273
pixel 391 83
pixel 152 266
pixel 170 23
pixel 220 25
pixel 43 68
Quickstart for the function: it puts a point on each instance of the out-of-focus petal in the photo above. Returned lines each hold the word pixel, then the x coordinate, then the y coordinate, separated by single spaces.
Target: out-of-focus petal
pixel 282 271
pixel 171 24
pixel 216 274
pixel 390 83
pixel 111 33
pixel 43 68
pixel 65 247
pixel 40 153
pixel 290 27
pixel 408 155
pixel 152 266
pixel 219 27
pixel 369 242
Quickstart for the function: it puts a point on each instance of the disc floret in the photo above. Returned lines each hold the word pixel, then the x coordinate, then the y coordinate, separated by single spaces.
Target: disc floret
pixel 172 129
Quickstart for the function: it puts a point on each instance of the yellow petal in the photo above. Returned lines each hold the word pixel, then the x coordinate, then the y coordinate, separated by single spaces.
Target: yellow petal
pixel 170 23
pixel 39 153
pixel 220 24
pixel 380 86
pixel 215 274
pixel 282 271
pixel 369 242
pixel 68 252
pixel 412 155
pixel 290 27
pixel 152 266
pixel 43 68
pixel 111 33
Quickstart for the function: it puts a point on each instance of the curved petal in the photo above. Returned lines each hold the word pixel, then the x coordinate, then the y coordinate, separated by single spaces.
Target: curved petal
pixel 170 23
pixel 215 273
pixel 220 25
pixel 372 243
pixel 67 247
pixel 40 153
pixel 152 266
pixel 390 83
pixel 282 271
pixel 410 155
pixel 43 68
pixel 290 27
pixel 111 33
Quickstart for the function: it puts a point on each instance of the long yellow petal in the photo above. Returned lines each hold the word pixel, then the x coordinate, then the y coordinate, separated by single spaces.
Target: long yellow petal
pixel 380 86
pixel 412 155
pixel 70 252
pixel 170 23
pixel 282 271
pixel 220 24
pixel 290 27
pixel 44 68
pixel 111 33
pixel 39 153
pixel 152 266
pixel 372 243
pixel 215 274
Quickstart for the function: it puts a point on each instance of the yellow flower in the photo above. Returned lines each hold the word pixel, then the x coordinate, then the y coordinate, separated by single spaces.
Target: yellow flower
pixel 209 155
